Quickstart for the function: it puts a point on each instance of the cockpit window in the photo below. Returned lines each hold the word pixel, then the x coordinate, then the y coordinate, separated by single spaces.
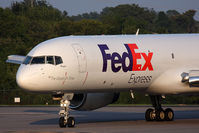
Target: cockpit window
pixel 54 60
pixel 27 60
pixel 49 60
pixel 58 60
pixel 38 60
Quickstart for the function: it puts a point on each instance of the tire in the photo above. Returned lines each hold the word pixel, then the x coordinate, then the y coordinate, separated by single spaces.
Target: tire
pixel 169 114
pixel 149 115
pixel 71 122
pixel 62 122
pixel 160 115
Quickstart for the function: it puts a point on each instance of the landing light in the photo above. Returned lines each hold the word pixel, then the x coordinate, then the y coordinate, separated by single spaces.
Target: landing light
pixel 63 105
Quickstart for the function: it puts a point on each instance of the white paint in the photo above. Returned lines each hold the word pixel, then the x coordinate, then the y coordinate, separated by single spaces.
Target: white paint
pixel 166 76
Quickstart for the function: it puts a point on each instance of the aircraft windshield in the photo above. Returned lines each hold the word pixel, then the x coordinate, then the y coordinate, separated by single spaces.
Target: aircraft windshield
pixel 54 60
pixel 38 60
pixel 50 60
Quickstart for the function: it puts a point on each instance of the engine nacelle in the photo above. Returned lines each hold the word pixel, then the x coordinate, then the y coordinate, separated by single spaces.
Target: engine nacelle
pixel 192 78
pixel 91 101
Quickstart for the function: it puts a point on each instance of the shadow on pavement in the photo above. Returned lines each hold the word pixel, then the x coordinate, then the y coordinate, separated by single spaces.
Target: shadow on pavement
pixel 99 116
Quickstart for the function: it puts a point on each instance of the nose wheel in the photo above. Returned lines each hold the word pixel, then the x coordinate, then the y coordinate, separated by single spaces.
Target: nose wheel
pixel 65 120
pixel 63 123
pixel 158 114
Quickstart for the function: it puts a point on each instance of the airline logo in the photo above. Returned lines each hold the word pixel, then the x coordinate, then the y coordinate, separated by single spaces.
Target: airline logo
pixel 118 61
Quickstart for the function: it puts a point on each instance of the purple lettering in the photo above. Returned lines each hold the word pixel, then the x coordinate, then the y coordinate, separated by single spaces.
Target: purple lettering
pixel 128 60
pixel 106 57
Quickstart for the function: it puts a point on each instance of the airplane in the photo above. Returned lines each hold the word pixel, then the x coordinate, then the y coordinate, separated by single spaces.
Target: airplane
pixel 89 72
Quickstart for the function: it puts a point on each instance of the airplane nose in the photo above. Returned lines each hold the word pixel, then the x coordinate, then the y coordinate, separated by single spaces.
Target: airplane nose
pixel 23 78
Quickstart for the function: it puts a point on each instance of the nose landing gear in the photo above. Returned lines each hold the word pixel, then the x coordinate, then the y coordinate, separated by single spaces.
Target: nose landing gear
pixel 158 113
pixel 65 119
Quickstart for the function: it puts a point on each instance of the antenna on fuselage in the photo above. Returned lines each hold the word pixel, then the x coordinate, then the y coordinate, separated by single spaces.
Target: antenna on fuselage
pixel 137 32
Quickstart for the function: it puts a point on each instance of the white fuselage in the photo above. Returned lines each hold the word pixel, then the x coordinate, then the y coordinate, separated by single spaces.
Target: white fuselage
pixel 155 67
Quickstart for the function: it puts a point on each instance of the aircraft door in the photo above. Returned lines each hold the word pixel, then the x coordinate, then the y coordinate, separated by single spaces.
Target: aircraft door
pixel 81 57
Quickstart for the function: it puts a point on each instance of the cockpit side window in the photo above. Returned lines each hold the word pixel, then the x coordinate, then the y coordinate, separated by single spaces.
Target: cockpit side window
pixel 50 60
pixel 58 60
pixel 38 60
pixel 27 60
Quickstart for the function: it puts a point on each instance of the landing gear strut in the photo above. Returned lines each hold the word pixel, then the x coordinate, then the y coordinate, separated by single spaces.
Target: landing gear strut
pixel 65 120
pixel 158 113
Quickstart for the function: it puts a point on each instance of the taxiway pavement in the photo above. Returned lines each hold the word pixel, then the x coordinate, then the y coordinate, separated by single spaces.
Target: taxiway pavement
pixel 104 120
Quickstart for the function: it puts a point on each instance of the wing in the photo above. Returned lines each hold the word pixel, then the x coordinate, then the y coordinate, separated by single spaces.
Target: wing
pixel 16 59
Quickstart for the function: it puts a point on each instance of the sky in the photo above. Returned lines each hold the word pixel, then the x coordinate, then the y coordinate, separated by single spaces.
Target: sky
pixel 74 7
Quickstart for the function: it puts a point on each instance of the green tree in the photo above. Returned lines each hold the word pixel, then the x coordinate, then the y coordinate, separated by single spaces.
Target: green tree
pixel 162 23
pixel 171 13
pixel 88 27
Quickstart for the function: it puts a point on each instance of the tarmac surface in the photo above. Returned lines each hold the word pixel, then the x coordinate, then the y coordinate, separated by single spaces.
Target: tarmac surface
pixel 104 120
